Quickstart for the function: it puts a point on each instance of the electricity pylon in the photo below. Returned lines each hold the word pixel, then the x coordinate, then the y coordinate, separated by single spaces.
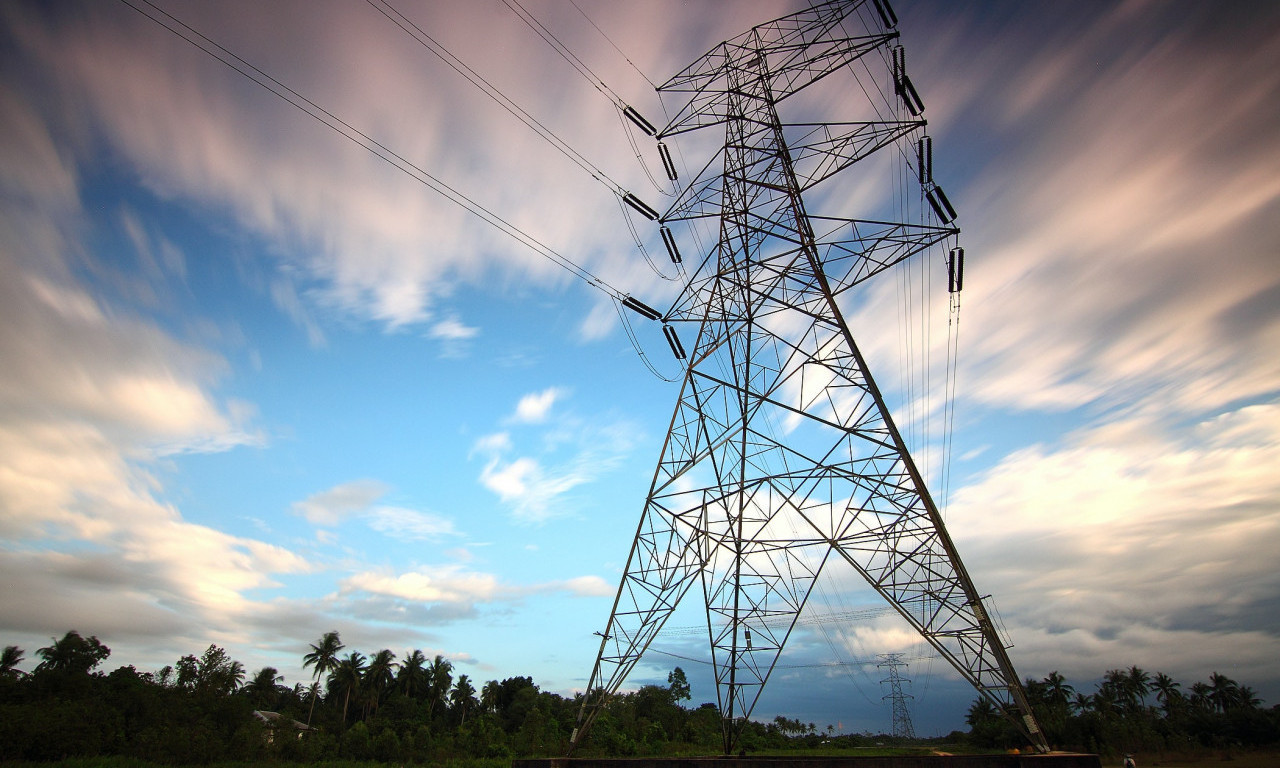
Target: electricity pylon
pixel 782 455
pixel 902 727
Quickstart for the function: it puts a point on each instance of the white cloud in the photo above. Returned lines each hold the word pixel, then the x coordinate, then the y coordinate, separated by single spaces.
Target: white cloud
pixel 452 329
pixel 332 506
pixel 410 524
pixel 454 583
pixel 534 407
pixel 1130 540
pixel 442 584
pixel 1117 253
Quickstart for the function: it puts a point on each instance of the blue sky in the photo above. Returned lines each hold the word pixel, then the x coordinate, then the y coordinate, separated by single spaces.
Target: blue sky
pixel 258 385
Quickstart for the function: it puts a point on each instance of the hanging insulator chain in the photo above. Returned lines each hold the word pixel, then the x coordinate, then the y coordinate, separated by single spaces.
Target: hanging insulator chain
pixel 667 164
pixel 924 150
pixel 902 84
pixel 639 120
pixel 641 308
pixel 887 15
pixel 940 204
pixel 640 206
pixel 955 270
pixel 669 240
pixel 677 348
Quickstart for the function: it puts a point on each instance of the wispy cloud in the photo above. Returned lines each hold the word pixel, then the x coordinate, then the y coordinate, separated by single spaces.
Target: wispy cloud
pixel 534 407
pixel 1129 532
pixel 333 505
pixel 410 524
pixel 454 583
pixel 536 487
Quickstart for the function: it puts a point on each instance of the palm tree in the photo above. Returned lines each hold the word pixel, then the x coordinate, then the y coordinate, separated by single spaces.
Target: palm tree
pixel 347 677
pixel 462 696
pixel 411 680
pixel 1057 689
pixel 1200 696
pixel 10 660
pixel 262 688
pixel 324 657
pixel 379 676
pixel 1247 698
pixel 1167 692
pixel 439 679
pixel 981 712
pixel 72 653
pixel 1223 691
pixel 489 696
pixel 231 678
pixel 1137 685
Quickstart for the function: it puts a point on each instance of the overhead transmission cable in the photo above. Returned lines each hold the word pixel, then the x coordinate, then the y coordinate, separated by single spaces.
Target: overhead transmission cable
pixel 356 136
pixel 615 45
pixel 423 38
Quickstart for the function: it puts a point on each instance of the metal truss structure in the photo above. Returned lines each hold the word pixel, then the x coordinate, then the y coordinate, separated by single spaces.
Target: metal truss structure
pixel 782 457
pixel 902 727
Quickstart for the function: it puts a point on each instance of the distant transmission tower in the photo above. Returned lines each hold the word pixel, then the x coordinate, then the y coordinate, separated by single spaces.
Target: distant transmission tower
pixel 782 455
pixel 901 715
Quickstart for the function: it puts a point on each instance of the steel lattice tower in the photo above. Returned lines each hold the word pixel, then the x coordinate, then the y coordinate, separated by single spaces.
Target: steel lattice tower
pixel 902 727
pixel 781 455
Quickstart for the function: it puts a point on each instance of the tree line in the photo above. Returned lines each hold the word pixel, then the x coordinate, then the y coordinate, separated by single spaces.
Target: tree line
pixel 1134 711
pixel 414 709
pixel 379 706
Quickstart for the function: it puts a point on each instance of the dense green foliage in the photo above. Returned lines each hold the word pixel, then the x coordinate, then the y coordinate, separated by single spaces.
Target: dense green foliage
pixel 1133 711
pixel 358 708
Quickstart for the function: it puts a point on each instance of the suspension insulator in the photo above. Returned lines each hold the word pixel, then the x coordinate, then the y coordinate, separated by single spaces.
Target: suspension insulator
pixel 910 97
pixel 677 348
pixel 887 15
pixel 639 120
pixel 941 205
pixel 640 307
pixel 899 65
pixel 955 270
pixel 669 240
pixel 640 206
pixel 924 151
pixel 667 165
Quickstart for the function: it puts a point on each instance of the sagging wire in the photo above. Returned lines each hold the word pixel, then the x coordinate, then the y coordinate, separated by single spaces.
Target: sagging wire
pixel 635 344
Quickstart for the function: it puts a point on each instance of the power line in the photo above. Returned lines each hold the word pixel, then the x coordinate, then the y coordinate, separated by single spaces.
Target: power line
pixel 356 136
pixel 434 46
pixel 615 45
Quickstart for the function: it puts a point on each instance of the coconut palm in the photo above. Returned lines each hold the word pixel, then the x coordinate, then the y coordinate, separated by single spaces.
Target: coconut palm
pixel 411 680
pixel 263 688
pixel 1057 691
pixel 489 696
pixel 10 660
pixel 439 680
pixel 1137 685
pixel 462 697
pixel 347 678
pixel 1247 698
pixel 1167 692
pixel 323 657
pixel 379 676
pixel 1223 691
pixel 72 653
pixel 1200 696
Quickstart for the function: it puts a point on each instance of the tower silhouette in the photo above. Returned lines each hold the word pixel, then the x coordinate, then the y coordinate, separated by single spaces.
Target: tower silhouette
pixel 902 727
pixel 782 458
